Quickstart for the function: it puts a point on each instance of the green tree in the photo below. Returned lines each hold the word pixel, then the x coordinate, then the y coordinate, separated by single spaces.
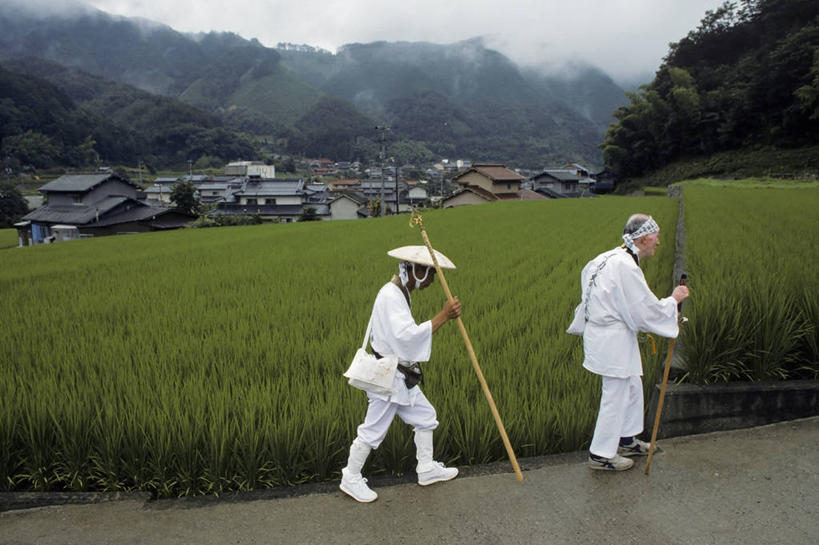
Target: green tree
pixel 286 165
pixel 808 94
pixel 748 75
pixel 84 154
pixel 32 148
pixel 208 161
pixel 308 213
pixel 12 204
pixel 183 197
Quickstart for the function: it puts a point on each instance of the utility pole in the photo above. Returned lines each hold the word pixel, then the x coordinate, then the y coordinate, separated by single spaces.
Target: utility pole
pixel 395 169
pixel 382 129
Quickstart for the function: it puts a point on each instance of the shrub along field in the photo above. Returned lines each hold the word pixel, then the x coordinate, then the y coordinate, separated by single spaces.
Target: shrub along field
pixel 752 254
pixel 201 361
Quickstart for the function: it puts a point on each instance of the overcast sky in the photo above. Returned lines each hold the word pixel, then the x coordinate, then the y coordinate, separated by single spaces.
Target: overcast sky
pixel 626 38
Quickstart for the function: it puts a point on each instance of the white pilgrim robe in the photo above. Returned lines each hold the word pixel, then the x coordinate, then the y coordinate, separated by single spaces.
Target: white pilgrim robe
pixel 395 332
pixel 619 305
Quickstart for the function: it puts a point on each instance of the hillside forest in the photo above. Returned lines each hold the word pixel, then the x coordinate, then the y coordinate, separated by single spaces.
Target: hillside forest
pixel 746 77
pixel 93 89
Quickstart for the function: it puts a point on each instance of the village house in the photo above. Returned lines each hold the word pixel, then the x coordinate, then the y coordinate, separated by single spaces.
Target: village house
pixel 321 167
pixel 416 192
pixel 409 196
pixel 218 190
pixel 604 181
pixel 348 205
pixel 96 204
pixel 482 183
pixel 280 199
pixel 161 189
pixel 571 180
pixel 250 169
pixel 196 179
pixel 557 183
pixel 343 185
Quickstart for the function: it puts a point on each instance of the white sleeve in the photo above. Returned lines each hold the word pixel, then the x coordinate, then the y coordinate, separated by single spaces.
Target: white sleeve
pixel 394 330
pixel 641 309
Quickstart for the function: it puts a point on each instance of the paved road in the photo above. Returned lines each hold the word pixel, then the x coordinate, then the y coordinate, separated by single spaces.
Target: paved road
pixel 753 486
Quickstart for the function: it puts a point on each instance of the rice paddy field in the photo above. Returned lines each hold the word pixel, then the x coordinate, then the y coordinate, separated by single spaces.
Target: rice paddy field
pixel 752 254
pixel 206 361
pixel 8 238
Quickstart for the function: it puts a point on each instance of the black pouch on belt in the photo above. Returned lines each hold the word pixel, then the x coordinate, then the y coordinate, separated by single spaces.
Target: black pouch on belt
pixel 412 374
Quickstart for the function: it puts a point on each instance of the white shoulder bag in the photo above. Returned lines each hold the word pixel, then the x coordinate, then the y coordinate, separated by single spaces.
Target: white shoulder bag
pixel 371 374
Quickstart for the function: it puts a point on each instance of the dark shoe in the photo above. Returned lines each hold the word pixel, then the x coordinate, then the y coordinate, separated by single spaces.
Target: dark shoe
pixel 632 446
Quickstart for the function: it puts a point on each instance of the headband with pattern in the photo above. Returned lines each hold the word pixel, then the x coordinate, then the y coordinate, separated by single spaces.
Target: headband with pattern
pixel 649 226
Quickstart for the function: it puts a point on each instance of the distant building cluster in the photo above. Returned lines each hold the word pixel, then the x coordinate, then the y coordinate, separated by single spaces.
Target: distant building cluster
pixel 105 203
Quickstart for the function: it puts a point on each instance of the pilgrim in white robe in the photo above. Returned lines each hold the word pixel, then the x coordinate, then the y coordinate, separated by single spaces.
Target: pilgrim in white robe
pixel 616 304
pixel 395 332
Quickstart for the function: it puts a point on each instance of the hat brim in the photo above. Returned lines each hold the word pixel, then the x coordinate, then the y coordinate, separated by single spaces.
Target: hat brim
pixel 420 255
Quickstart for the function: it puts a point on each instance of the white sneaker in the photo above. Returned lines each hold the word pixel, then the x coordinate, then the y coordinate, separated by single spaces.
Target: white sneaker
pixel 436 474
pixel 617 463
pixel 356 487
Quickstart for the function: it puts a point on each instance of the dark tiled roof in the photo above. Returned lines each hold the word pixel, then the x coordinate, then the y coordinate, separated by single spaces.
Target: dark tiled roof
pixel 169 220
pixel 352 195
pixel 559 174
pixel 279 187
pixel 110 211
pixel 80 183
pixel 545 191
pixel 268 209
pixel 137 212
pixel 75 214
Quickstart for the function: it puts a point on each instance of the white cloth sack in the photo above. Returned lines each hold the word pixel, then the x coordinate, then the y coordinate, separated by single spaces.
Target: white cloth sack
pixel 371 374
pixel 578 325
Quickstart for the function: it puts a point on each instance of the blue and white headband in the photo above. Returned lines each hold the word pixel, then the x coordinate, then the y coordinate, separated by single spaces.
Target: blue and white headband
pixel 649 226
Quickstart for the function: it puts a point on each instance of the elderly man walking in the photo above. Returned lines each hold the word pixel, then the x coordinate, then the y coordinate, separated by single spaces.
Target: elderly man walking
pixel 616 303
pixel 395 332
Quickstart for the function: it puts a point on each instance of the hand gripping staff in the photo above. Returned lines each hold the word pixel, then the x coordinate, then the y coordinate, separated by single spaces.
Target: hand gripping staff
pixel 416 219
pixel 671 343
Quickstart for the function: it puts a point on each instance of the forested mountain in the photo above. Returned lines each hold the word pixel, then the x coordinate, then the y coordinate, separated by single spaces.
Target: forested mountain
pixel 748 75
pixel 460 99
pixel 53 115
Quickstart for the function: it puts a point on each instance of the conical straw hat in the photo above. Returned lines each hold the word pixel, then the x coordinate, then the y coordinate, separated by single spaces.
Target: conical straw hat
pixel 420 255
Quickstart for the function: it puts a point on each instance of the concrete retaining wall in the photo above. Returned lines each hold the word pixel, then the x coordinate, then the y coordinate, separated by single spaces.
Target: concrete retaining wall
pixel 691 409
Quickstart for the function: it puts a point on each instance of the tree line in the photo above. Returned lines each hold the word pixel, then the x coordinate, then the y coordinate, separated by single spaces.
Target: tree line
pixel 747 75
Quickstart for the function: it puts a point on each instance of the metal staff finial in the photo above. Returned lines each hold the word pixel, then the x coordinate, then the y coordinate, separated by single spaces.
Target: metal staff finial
pixel 416 220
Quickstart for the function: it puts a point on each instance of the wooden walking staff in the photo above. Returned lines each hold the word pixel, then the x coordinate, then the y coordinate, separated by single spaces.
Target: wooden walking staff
pixel 417 220
pixel 671 344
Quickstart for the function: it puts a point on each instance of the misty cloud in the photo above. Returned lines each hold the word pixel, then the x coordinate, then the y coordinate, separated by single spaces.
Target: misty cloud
pixel 625 38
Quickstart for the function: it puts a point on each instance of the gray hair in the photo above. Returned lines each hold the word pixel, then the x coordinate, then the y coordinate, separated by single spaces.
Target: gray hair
pixel 635 221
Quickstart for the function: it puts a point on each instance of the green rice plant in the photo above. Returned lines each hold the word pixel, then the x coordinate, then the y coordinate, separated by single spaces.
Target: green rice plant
pixel 205 361
pixel 752 256
pixel 809 348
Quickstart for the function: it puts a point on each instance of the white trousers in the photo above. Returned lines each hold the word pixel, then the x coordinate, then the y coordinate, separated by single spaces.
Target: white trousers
pixel 380 413
pixel 620 415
